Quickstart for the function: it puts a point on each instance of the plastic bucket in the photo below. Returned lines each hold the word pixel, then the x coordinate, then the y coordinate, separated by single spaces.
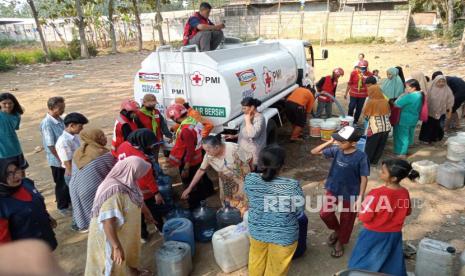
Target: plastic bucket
pixel 327 129
pixel 336 120
pixel 315 127
pixel 456 148
pixel 347 121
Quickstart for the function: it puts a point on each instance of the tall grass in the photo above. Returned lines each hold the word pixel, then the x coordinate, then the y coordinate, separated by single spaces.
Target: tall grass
pixel 11 58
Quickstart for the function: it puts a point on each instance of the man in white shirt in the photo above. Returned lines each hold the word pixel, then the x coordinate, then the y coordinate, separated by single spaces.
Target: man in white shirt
pixel 69 141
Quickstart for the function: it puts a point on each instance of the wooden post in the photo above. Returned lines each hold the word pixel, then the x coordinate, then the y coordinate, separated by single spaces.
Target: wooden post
pixel 379 21
pixel 351 24
pixel 407 23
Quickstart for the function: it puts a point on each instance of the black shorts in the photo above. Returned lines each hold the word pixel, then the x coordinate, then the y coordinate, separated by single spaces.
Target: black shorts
pixel 457 103
pixel 296 114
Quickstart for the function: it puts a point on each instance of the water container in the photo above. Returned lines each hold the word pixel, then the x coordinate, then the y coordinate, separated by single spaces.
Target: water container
pixel 358 272
pixel 362 143
pixel 173 259
pixel 179 212
pixel 228 216
pixel 204 222
pixel 451 175
pixel 347 121
pixel 231 248
pixel 180 229
pixel 315 127
pixel 434 258
pixel 337 120
pixel 427 169
pixel 302 242
pixel 165 188
pixel 327 129
pixel 456 148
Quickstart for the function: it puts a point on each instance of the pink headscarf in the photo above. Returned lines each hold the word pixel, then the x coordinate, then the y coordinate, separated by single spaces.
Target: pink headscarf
pixel 122 179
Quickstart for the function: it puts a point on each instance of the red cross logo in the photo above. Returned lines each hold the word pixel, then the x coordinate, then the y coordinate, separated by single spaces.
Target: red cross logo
pixel 197 79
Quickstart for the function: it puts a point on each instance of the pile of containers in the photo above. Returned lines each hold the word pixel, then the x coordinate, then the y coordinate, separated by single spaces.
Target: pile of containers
pixel 181 230
pixel 204 222
pixel 427 169
pixel 325 128
pixel 228 216
pixel 435 258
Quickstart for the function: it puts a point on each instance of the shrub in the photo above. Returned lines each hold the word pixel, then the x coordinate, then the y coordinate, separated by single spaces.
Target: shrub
pixel 75 49
pixel 59 54
pixel 416 33
pixel 6 42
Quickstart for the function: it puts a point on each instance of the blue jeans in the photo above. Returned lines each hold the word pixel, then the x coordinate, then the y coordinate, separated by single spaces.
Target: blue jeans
pixel 357 105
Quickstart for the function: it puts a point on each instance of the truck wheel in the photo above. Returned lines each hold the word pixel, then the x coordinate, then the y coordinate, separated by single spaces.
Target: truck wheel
pixel 271 132
pixel 166 153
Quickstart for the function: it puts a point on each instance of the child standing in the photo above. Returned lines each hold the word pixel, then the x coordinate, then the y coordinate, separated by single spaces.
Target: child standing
pixel 379 244
pixel 376 75
pixel 347 180
pixel 358 89
pixel 69 141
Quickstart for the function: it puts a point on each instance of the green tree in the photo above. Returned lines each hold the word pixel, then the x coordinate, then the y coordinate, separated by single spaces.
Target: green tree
pixel 35 14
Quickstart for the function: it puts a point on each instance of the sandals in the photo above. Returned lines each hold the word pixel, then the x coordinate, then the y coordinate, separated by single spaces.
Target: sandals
pixel 332 239
pixel 337 253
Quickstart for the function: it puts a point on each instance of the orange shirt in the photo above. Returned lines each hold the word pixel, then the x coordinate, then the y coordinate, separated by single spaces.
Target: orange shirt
pixel 207 124
pixel 303 97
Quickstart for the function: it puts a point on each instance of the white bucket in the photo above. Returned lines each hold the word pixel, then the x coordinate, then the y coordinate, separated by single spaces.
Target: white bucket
pixel 456 148
pixel 347 121
pixel 315 127
pixel 427 169
pixel 327 129
pixel 336 120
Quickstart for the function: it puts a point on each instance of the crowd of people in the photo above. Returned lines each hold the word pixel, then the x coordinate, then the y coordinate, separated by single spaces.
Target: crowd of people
pixel 112 194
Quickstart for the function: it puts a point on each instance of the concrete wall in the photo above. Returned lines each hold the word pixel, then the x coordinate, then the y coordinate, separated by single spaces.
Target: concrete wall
pixel 333 26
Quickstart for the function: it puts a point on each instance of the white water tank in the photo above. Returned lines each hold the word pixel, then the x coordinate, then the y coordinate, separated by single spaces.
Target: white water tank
pixel 231 248
pixel 217 81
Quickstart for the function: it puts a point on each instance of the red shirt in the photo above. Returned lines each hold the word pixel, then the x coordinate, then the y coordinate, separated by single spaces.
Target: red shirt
pixel 385 209
pixel 23 195
pixel 355 90
pixel 147 184
pixel 186 150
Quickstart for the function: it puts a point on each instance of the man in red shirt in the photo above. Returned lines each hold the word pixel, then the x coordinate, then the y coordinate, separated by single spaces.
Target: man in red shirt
pixel 358 89
pixel 187 153
pixel 125 124
pixel 199 30
pixel 140 143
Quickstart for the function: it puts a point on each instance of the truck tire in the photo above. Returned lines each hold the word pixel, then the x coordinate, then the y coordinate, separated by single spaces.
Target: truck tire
pixel 271 132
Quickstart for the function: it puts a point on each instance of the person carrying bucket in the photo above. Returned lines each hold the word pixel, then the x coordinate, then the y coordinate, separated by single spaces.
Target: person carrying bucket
pixel 327 85
pixel 298 105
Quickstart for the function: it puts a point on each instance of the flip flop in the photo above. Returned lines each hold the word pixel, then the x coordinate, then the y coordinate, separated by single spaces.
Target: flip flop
pixel 337 253
pixel 332 239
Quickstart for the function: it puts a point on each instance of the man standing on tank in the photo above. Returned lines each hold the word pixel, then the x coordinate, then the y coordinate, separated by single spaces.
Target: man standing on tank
pixel 199 30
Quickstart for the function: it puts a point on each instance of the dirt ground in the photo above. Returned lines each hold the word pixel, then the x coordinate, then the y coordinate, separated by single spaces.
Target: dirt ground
pixel 99 84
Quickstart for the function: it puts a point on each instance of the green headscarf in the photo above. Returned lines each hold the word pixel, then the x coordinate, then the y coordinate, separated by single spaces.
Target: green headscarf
pixel 394 87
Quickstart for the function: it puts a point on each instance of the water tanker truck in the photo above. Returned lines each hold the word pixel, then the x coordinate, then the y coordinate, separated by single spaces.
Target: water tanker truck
pixel 215 82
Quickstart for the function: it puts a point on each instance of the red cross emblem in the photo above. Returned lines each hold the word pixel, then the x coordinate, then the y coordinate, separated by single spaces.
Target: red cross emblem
pixel 197 79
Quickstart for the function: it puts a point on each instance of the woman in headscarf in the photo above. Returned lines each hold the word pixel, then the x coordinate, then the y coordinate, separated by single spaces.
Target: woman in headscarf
pixel 410 106
pixel 92 161
pixel 440 103
pixel 376 112
pixel 393 86
pixel 141 143
pixel 23 214
pixel 113 246
pixel 420 77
